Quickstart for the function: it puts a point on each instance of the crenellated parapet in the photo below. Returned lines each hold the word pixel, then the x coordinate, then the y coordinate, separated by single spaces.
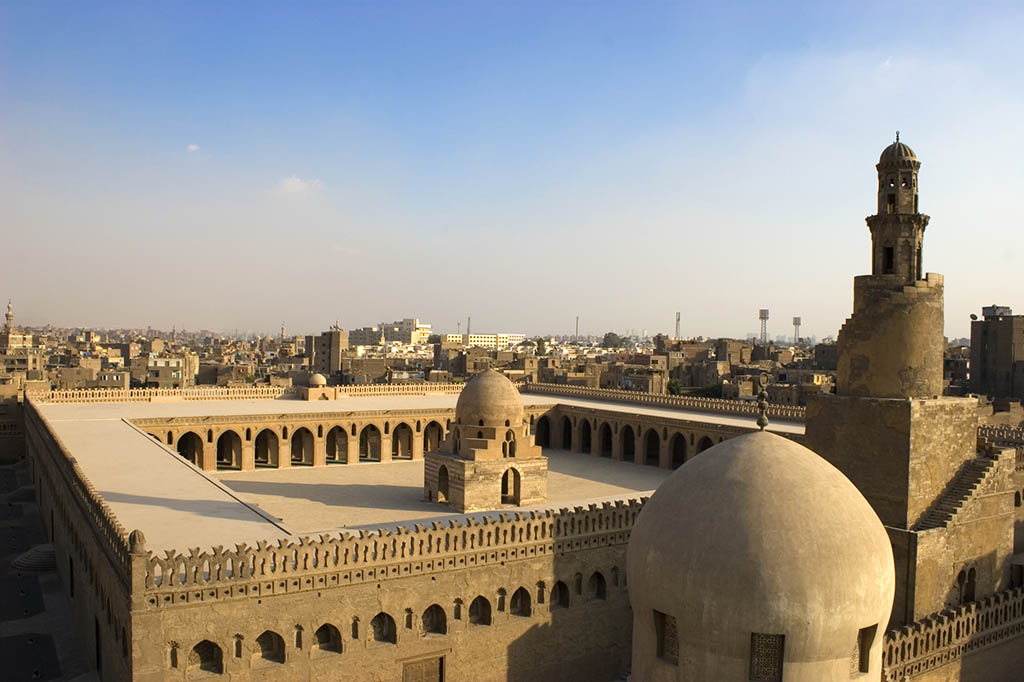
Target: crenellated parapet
pixel 330 561
pixel 947 637
pixel 135 395
pixel 712 405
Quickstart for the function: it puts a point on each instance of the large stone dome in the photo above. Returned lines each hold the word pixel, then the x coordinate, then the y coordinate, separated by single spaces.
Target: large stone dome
pixel 491 399
pixel 759 535
pixel 317 380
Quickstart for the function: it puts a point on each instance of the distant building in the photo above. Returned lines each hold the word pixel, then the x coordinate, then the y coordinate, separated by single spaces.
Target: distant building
pixel 997 353
pixel 324 351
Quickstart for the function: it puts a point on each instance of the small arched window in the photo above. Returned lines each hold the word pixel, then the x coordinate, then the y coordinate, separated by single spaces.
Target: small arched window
pixel 435 622
pixel 206 656
pixel 560 596
pixel 384 628
pixel 519 605
pixel 327 638
pixel 269 647
pixel 597 587
pixel 480 611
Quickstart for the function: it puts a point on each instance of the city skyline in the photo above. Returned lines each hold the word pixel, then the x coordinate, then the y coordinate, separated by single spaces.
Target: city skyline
pixel 188 165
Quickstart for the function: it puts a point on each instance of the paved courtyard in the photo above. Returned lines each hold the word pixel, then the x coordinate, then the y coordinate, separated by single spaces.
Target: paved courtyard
pixel 309 500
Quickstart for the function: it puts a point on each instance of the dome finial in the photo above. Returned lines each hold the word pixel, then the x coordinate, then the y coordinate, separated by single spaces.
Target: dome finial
pixel 762 401
pixel 897 136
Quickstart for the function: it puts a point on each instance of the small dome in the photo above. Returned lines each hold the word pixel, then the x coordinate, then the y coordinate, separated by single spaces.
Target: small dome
pixel 759 535
pixel 317 380
pixel 897 152
pixel 489 397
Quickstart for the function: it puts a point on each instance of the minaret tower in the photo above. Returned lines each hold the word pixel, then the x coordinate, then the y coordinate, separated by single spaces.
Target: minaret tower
pixel 897 230
pixel 912 452
pixel 9 325
pixel 892 346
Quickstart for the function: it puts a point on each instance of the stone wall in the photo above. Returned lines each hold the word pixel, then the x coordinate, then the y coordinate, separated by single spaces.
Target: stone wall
pixel 90 547
pixel 977 642
pixel 568 566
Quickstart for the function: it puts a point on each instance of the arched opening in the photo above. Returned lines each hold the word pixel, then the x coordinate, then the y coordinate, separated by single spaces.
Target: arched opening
pixel 703 444
pixel 585 437
pixel 510 493
pixel 266 448
pixel 401 442
pixel 190 446
pixel 970 587
pixel 519 605
pixel 678 450
pixel 560 596
pixel 543 432
pixel 302 447
pixel 652 448
pixel 606 440
pixel 337 446
pixel 384 629
pixel 434 620
pixel 628 444
pixel 229 451
pixel 433 434
pixel 508 448
pixel 369 444
pixel 596 586
pixel 327 638
pixel 170 438
pixel 269 647
pixel 480 611
pixel 442 484
pixel 566 433
pixel 207 657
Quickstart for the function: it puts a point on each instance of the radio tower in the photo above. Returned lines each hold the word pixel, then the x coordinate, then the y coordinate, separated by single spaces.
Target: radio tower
pixel 576 338
pixel 796 330
pixel 762 315
pixel 677 326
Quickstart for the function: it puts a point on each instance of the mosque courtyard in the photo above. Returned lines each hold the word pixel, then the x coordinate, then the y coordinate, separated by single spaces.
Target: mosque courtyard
pixel 309 500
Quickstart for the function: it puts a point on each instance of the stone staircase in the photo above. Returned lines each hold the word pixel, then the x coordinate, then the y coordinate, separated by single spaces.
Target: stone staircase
pixel 944 510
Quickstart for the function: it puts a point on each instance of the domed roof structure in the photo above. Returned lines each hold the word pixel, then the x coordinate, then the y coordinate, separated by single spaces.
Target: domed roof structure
pixel 489 399
pixel 897 152
pixel 317 380
pixel 759 535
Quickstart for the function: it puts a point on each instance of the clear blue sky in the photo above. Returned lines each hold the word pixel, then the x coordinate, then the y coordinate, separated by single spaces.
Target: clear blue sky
pixel 232 165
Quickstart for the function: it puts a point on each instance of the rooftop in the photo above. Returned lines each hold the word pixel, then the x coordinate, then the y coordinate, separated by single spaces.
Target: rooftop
pixel 150 487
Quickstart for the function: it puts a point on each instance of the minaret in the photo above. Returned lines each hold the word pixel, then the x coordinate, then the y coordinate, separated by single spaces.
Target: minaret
pixel 912 452
pixel 897 230
pixel 282 332
pixel 892 346
pixel 9 326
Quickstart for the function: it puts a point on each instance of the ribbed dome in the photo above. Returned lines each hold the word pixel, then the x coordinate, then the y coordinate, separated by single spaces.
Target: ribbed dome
pixel 759 535
pixel 897 152
pixel 317 380
pixel 491 398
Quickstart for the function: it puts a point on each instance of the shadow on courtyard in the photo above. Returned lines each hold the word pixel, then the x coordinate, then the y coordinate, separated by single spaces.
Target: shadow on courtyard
pixel 361 495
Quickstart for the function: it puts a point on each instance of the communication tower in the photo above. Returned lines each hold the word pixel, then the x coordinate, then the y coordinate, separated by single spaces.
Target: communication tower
pixel 762 315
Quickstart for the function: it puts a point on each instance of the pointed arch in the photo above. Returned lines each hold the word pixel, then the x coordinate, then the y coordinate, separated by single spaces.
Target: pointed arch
pixel 652 448
pixel 337 446
pixel 265 449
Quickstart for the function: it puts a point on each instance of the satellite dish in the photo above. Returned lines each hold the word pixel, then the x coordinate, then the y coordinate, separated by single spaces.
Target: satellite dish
pixel 974 317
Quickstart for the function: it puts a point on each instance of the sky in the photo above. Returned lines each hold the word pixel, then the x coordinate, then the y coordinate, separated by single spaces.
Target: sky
pixel 235 165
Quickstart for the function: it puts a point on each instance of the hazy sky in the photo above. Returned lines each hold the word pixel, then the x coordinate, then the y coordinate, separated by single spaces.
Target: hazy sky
pixel 233 165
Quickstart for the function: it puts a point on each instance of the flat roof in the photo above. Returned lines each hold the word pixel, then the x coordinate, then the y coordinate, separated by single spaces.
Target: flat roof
pixel 178 506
